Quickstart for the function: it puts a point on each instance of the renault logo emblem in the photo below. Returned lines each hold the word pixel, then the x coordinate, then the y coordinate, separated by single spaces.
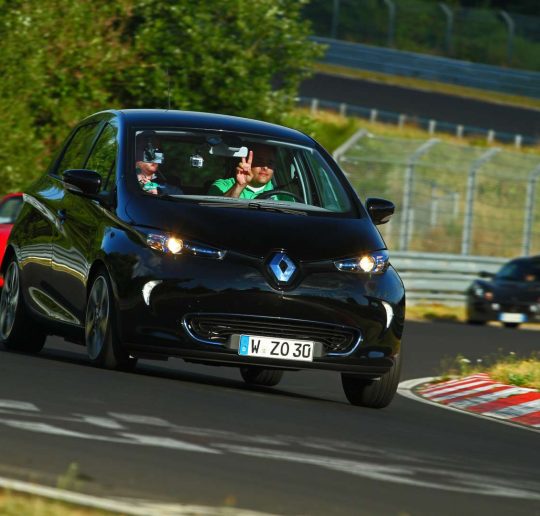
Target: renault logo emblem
pixel 282 267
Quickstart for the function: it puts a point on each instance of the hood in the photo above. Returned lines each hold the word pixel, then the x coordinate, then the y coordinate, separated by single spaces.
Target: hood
pixel 515 291
pixel 257 232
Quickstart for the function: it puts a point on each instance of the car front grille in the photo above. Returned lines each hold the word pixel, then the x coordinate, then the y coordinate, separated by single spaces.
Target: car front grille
pixel 218 328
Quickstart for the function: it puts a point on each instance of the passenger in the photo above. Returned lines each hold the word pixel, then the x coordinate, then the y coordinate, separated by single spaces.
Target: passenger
pixel 149 176
pixel 147 169
pixel 253 175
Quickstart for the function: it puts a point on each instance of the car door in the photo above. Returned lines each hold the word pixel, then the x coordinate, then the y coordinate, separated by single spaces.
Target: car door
pixel 66 261
pixel 84 223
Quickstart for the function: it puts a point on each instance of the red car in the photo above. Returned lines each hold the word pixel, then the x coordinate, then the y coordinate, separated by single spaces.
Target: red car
pixel 10 206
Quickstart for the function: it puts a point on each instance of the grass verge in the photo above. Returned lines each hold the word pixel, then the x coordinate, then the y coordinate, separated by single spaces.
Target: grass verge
pixel 331 130
pixel 16 504
pixel 504 368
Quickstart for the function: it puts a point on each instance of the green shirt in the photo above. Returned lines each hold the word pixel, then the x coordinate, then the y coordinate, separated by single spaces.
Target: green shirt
pixel 221 186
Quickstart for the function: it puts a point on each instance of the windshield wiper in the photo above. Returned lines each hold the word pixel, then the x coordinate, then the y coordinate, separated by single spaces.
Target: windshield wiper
pixel 273 207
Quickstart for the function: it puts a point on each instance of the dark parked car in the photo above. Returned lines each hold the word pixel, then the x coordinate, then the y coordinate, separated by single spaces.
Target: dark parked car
pixel 10 206
pixel 512 296
pixel 146 239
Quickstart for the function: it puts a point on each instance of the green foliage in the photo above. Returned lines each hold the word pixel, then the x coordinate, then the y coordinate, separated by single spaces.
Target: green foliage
pixel 221 56
pixel 65 59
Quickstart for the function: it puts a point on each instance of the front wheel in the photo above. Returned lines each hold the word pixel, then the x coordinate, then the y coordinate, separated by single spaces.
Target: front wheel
pixel 372 393
pixel 254 375
pixel 511 325
pixel 102 343
pixel 17 333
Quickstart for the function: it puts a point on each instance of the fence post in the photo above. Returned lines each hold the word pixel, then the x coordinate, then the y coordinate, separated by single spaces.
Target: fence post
pixel 335 20
pixel 449 26
pixel 406 218
pixel 529 211
pixel 342 149
pixel 391 21
pixel 469 203
pixel 510 24
pixel 314 106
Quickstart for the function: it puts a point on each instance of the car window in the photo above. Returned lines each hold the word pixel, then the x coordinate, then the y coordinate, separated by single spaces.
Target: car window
pixel 194 164
pixel 103 156
pixel 74 156
pixel 520 271
pixel 9 209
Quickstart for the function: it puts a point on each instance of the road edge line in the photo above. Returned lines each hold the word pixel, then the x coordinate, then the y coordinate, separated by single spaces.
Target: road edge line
pixel 405 388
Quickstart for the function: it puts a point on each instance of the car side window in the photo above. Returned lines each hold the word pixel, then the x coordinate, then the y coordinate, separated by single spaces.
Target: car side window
pixel 75 154
pixel 103 157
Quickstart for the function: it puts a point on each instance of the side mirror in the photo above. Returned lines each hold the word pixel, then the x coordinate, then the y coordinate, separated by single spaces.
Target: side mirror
pixel 86 182
pixel 485 274
pixel 380 210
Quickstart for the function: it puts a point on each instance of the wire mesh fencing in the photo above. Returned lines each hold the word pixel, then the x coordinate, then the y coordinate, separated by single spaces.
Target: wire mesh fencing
pixel 450 198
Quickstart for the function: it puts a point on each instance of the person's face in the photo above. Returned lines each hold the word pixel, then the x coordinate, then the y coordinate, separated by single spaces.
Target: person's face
pixel 148 168
pixel 263 164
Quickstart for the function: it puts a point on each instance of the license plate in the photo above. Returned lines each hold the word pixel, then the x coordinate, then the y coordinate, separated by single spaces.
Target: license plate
pixel 268 347
pixel 512 318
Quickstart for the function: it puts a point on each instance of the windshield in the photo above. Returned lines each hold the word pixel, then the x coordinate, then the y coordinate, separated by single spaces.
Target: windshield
pixel 9 209
pixel 520 271
pixel 236 170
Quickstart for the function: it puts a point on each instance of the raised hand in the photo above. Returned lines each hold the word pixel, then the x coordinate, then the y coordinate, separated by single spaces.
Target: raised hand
pixel 244 174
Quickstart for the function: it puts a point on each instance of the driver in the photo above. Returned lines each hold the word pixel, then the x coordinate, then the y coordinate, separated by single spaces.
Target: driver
pixel 253 175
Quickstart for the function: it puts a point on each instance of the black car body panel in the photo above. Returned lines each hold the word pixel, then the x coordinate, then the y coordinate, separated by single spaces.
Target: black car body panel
pixel 190 305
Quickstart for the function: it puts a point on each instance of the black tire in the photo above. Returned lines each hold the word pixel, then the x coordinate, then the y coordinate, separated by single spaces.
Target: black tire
pixel 511 325
pixel 372 393
pixel 476 322
pixel 101 339
pixel 17 332
pixel 254 375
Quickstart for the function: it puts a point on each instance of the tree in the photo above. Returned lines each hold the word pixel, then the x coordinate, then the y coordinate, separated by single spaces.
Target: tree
pixel 233 56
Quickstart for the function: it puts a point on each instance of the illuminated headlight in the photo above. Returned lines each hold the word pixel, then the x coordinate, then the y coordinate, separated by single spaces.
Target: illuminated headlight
pixel 478 291
pixel 370 263
pixel 174 245
pixel 165 243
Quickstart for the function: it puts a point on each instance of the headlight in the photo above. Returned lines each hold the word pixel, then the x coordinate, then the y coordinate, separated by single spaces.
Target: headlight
pixel 175 245
pixel 369 263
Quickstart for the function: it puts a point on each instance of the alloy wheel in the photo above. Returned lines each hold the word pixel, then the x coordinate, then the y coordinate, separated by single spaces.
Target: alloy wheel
pixel 97 318
pixel 9 301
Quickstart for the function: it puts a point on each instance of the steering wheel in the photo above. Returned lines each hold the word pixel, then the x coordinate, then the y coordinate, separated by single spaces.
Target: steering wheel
pixel 270 193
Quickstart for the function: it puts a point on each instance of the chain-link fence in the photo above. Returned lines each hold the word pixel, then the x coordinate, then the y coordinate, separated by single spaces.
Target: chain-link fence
pixel 481 35
pixel 449 198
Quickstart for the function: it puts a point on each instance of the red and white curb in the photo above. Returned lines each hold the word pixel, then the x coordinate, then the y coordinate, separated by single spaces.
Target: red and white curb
pixel 479 395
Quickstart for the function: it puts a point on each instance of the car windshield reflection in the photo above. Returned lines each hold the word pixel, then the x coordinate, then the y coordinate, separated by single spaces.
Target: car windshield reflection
pixel 234 170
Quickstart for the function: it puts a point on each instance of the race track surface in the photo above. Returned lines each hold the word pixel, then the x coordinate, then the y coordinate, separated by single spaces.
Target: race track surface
pixel 180 433
pixel 424 104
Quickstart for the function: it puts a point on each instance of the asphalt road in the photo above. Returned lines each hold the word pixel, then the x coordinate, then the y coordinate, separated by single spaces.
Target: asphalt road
pixel 181 433
pixel 423 104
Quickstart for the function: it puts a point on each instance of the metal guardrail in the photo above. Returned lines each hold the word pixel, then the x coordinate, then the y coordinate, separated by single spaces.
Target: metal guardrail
pixel 431 68
pixel 441 278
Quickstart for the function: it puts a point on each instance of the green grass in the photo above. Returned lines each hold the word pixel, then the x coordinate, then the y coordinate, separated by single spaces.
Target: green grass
pixel 16 504
pixel 505 368
pixel 438 87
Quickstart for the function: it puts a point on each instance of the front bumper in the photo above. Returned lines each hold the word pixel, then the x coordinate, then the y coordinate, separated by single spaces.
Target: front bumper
pixel 344 313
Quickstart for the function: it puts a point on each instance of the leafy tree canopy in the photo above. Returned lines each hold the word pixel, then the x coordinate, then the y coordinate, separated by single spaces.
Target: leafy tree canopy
pixel 65 59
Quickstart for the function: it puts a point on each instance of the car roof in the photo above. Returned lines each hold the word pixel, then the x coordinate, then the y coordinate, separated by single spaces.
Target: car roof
pixel 10 195
pixel 210 121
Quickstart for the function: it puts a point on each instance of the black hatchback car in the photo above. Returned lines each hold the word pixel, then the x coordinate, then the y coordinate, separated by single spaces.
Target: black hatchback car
pixel 512 296
pixel 220 240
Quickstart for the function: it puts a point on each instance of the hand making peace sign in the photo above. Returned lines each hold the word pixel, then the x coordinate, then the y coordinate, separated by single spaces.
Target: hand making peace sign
pixel 244 174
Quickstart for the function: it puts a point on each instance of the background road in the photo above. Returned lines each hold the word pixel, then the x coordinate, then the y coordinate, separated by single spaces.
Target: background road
pixel 181 433
pixel 423 104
